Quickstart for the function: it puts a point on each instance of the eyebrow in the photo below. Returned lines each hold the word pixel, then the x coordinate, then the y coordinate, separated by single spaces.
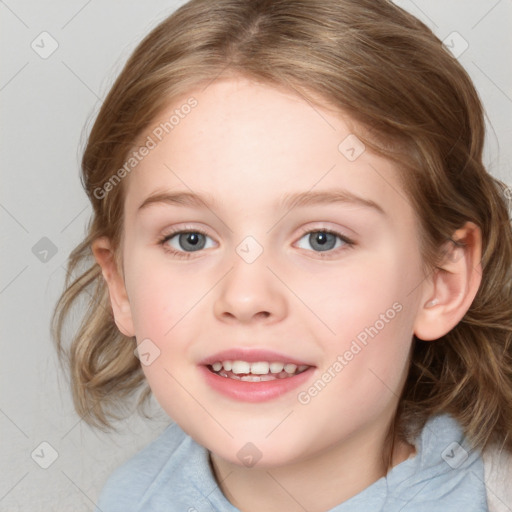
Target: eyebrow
pixel 287 202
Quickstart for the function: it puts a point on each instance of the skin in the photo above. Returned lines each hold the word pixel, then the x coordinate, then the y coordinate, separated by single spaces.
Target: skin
pixel 247 145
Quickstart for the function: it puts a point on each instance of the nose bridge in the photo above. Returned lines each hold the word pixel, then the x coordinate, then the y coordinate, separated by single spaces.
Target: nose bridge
pixel 250 290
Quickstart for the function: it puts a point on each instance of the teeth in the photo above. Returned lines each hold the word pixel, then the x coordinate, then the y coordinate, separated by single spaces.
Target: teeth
pixel 276 367
pixel 260 368
pixel 241 367
pixel 257 378
pixel 257 368
pixel 290 368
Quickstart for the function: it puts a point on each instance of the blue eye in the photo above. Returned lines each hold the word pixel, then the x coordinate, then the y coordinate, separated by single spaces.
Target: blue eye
pixel 323 240
pixel 182 244
pixel 185 242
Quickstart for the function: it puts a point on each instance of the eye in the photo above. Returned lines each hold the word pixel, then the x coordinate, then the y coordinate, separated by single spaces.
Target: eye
pixel 181 243
pixel 185 242
pixel 323 240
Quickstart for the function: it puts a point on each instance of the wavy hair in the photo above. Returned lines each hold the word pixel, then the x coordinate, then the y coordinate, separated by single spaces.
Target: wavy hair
pixel 410 101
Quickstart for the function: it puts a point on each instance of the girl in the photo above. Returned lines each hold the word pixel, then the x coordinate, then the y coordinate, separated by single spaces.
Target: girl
pixel 296 245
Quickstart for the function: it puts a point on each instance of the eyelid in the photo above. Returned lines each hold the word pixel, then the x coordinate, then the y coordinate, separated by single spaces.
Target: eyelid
pixel 171 233
pixel 304 230
pixel 348 242
pixel 168 232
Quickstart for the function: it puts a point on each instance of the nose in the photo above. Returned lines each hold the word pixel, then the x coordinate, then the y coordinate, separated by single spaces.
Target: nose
pixel 249 293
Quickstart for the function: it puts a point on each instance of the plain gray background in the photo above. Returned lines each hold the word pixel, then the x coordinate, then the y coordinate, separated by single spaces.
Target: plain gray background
pixel 48 105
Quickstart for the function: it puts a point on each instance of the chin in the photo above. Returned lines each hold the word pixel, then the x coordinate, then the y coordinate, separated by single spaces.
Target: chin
pixel 258 455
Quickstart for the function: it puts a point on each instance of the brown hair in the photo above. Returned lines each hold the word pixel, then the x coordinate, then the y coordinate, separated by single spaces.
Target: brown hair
pixel 411 101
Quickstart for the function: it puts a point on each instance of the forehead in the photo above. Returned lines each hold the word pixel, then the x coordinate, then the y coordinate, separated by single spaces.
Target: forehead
pixel 247 142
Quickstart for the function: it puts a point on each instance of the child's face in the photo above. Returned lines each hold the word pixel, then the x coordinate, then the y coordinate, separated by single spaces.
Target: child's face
pixel 346 311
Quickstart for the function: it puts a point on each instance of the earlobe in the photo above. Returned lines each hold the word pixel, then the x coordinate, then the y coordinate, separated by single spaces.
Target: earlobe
pixel 105 257
pixel 453 285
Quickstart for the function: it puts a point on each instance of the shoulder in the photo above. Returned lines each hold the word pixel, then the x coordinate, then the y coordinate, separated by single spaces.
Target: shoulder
pixel 498 478
pixel 127 485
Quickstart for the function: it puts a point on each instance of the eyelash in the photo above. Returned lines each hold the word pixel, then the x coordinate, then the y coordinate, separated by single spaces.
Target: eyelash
pixel 349 244
pixel 172 234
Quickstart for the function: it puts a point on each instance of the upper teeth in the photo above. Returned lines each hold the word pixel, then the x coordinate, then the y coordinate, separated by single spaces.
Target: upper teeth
pixel 257 368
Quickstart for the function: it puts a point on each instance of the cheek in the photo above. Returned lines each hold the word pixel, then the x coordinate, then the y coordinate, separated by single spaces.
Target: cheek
pixel 368 319
pixel 164 306
pixel 161 297
pixel 162 309
pixel 355 295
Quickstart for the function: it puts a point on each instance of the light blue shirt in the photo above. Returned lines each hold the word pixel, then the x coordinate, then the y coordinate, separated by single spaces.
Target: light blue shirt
pixel 173 474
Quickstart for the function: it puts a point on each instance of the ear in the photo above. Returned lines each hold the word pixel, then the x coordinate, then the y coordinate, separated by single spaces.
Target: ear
pixel 105 257
pixel 453 285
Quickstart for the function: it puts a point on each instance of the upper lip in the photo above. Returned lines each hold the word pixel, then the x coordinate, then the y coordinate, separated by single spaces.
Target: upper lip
pixel 252 356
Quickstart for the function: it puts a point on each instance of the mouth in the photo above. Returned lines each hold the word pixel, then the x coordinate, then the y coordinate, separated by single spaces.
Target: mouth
pixel 254 375
pixel 259 371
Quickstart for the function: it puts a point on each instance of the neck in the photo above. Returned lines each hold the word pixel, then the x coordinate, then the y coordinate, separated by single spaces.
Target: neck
pixel 316 484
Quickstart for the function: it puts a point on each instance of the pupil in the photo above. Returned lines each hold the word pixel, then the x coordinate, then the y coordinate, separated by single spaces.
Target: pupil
pixel 191 241
pixel 322 241
pixel 192 236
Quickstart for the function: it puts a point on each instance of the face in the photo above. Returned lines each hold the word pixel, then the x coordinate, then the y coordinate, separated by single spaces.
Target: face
pixel 301 250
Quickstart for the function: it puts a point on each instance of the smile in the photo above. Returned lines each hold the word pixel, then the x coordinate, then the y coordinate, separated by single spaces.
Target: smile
pixel 259 371
pixel 255 374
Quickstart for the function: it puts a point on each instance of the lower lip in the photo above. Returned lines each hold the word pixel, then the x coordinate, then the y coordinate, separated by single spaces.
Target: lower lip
pixel 254 391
